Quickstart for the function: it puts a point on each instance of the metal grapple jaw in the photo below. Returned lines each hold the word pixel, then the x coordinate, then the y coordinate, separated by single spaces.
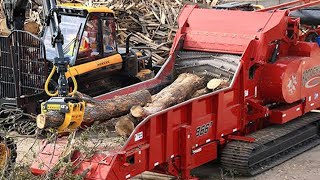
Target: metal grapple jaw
pixel 71 108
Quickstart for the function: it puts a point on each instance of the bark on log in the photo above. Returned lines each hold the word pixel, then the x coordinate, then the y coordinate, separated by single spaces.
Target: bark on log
pixel 86 98
pixel 50 119
pixel 98 110
pixel 123 125
pixel 180 90
pixel 200 92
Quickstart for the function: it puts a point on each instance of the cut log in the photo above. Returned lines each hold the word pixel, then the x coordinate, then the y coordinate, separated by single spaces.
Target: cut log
pixel 200 92
pixel 98 110
pixel 85 98
pixel 4 31
pixel 50 119
pixel 124 127
pixel 136 111
pixel 111 123
pixel 180 90
pixel 214 84
pixel 32 27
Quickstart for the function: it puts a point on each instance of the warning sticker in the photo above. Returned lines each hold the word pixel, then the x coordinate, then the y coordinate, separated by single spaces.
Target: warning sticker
pixel 138 136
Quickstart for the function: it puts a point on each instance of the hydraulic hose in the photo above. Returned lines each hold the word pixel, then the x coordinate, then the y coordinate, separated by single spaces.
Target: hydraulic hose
pixel 75 84
pixel 46 86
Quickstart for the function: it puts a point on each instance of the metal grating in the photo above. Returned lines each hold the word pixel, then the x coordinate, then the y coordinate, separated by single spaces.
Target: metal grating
pixel 7 85
pixel 24 69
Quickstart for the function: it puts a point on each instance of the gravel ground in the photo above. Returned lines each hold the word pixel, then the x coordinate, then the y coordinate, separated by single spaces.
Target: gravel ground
pixel 306 166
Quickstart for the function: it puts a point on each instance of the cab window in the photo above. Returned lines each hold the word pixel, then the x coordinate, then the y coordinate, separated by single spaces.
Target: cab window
pixel 89 46
pixel 109 34
pixel 98 38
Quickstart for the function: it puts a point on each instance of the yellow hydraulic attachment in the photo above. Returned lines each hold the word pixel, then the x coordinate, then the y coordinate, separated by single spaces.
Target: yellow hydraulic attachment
pixel 69 106
pixel 74 117
pixel 73 111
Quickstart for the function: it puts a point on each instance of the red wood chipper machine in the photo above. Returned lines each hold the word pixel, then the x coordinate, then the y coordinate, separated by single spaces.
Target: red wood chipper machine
pixel 266 116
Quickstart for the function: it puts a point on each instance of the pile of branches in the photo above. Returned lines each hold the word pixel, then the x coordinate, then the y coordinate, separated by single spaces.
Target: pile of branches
pixel 153 23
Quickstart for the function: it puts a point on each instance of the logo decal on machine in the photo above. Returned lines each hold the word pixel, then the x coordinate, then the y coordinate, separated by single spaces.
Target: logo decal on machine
pixel 292 84
pixel 203 129
pixel 311 77
pixel 313 82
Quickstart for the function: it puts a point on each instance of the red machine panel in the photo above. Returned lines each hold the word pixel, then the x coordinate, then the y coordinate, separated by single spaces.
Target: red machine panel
pixel 225 31
pixel 292 78
pixel 189 134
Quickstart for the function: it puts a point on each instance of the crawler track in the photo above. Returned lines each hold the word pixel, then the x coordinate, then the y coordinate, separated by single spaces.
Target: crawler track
pixel 273 146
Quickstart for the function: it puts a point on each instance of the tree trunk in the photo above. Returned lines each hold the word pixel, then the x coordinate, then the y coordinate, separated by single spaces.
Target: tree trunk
pixel 98 110
pixel 123 125
pixel 50 119
pixel 201 92
pixel 215 84
pixel 180 90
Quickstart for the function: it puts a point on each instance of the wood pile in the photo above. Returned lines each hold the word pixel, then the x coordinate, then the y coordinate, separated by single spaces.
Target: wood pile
pixel 153 23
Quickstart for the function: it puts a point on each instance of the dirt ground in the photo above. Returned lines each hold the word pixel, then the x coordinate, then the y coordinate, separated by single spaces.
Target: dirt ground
pixel 306 166
pixel 303 167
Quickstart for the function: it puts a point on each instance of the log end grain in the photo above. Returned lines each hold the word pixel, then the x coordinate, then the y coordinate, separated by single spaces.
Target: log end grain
pixel 124 127
pixel 214 83
pixel 41 121
pixel 137 111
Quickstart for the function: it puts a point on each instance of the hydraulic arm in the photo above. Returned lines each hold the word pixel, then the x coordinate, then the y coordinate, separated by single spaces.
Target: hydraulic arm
pixel 71 107
pixel 61 62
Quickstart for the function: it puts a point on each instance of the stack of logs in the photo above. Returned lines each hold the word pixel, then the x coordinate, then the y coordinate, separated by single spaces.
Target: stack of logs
pixel 123 113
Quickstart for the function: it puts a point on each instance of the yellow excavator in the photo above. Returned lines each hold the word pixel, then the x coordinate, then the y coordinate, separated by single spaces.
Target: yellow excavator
pixel 89 47
pixel 77 41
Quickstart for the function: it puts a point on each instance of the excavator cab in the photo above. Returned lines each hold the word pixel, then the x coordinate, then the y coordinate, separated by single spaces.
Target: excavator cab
pixel 90 43
pixel 89 34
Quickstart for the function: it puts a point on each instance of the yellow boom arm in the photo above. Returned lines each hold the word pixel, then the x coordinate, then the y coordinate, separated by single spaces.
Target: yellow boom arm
pixel 87 67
